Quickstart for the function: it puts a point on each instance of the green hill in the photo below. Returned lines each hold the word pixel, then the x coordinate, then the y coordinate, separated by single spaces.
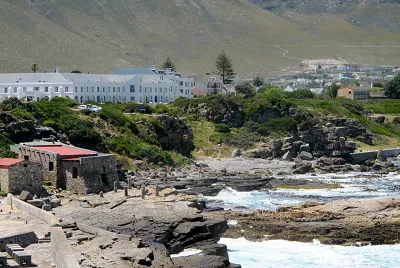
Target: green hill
pixel 99 36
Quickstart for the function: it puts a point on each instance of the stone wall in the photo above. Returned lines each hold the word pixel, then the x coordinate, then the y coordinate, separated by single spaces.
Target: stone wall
pixel 25 176
pixel 4 180
pixel 94 174
pixel 44 158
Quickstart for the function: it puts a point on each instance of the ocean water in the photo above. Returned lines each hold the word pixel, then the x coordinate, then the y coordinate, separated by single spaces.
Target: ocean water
pixel 280 253
pixel 353 185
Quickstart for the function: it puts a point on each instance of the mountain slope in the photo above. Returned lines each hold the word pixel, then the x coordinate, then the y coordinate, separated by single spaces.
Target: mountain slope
pixel 99 35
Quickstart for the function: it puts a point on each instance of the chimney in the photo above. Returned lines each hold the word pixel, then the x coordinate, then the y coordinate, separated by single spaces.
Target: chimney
pixel 58 70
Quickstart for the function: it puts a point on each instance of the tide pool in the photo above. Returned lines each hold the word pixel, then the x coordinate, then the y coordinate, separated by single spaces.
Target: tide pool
pixel 280 253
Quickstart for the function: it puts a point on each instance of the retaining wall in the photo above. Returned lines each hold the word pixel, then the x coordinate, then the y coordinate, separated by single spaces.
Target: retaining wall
pixel 63 255
pixel 361 157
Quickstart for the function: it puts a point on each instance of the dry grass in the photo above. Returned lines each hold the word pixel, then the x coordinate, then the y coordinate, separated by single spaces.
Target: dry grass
pixel 99 36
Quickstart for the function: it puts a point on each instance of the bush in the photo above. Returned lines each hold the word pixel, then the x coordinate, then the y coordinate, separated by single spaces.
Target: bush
pixel 137 149
pixel 10 104
pixel 222 128
pixel 21 113
pixel 279 126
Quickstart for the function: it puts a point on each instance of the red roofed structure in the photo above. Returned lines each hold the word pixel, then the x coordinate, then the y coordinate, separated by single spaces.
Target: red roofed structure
pixel 78 170
pixel 5 163
pixel 198 92
pixel 66 152
pixel 17 175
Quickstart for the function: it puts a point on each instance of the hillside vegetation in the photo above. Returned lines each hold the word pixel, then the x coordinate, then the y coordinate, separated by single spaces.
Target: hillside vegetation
pixel 211 126
pixel 99 36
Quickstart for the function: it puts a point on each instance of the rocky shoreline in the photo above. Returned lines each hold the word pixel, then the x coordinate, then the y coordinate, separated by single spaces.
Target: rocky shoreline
pixel 147 232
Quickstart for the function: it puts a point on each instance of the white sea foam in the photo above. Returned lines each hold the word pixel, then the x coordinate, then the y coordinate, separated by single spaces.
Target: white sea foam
pixel 187 252
pixel 233 199
pixel 280 253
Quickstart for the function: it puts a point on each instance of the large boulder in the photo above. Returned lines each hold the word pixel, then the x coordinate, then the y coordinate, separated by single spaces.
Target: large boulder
pixel 306 156
pixel 302 168
pixel 259 153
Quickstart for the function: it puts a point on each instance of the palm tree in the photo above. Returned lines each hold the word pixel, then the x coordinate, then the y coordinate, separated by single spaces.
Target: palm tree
pixel 34 67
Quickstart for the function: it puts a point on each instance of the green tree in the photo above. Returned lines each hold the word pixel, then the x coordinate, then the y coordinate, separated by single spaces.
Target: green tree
pixel 246 89
pixel 258 82
pixel 392 88
pixel 332 91
pixel 168 64
pixel 34 67
pixel 224 67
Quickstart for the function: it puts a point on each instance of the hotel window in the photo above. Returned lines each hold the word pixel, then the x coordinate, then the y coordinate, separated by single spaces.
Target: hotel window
pixel 151 90
pixel 145 89
pixel 92 89
pixel 132 88
pixel 46 89
pixel 104 90
pixel 81 89
pixel 66 89
pixel 36 88
pixel 15 89
pixel 132 98
pixel 98 89
pixel 51 166
pixel 87 89
pixel 76 89
pixel 113 89
pixel 56 89
pixel 123 89
pixel 119 89
pixel 140 88
pixel 24 89
pixel 5 90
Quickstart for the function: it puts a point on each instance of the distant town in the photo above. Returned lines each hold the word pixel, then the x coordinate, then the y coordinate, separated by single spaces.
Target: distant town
pixel 154 85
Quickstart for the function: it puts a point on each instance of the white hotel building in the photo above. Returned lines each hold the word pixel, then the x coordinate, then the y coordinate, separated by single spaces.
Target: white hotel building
pixel 128 84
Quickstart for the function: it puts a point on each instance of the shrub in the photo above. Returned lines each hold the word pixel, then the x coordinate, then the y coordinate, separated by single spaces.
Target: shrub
pixel 136 148
pixel 222 128
pixel 21 113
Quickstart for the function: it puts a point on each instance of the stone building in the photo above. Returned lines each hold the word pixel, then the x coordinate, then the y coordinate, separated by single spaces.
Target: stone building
pixel 17 175
pixel 72 168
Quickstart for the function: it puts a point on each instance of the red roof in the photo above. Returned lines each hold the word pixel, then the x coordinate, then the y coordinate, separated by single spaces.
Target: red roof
pixel 7 162
pixel 198 92
pixel 66 152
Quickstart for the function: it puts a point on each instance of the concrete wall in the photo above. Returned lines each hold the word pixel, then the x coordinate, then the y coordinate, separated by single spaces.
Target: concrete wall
pixel 359 158
pixel 24 239
pixel 64 256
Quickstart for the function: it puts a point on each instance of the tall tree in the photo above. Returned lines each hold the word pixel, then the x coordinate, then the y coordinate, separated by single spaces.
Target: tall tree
pixel 392 88
pixel 332 91
pixel 34 67
pixel 258 81
pixel 168 64
pixel 224 67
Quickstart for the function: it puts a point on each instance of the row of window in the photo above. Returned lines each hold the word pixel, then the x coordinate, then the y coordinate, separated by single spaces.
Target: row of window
pixel 123 98
pixel 25 89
